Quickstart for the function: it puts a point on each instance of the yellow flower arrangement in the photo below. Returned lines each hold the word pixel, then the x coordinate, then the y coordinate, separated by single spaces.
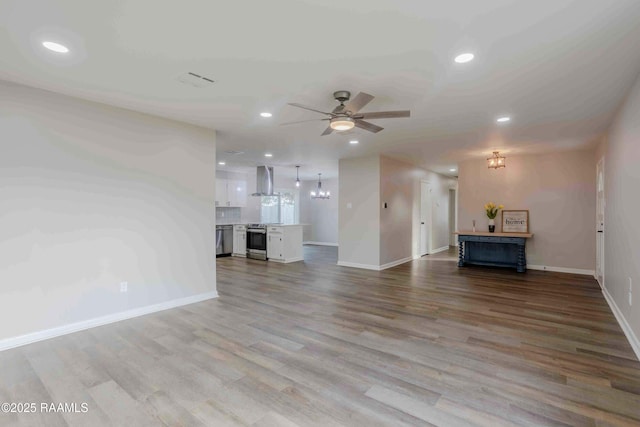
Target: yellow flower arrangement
pixel 492 209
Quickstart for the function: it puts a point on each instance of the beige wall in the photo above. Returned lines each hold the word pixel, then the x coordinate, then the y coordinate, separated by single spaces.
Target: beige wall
pixel 559 191
pixel 400 221
pixel 359 212
pixel 376 236
pixel 396 190
pixel 319 216
pixel 622 194
pixel 91 196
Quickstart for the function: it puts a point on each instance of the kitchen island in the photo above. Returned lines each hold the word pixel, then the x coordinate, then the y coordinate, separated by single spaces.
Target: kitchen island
pixel 284 243
pixel 270 242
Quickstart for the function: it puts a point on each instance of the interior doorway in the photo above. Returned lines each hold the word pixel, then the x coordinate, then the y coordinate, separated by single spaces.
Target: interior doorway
pixel 425 218
pixel 600 227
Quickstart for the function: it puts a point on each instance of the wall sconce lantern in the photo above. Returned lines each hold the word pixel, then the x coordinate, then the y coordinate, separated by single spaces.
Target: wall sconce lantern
pixel 496 161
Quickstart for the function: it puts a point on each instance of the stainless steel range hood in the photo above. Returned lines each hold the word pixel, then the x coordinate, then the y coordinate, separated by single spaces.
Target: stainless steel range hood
pixel 264 181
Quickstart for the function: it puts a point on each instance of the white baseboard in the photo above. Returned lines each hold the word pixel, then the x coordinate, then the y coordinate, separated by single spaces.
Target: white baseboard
pixel 394 263
pixel 356 265
pixel 320 243
pixel 561 269
pixel 628 332
pixel 21 340
pixel 375 267
pixel 286 261
pixel 437 251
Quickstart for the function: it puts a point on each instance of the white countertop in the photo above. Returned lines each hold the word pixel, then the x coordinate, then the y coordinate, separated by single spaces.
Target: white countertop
pixel 268 225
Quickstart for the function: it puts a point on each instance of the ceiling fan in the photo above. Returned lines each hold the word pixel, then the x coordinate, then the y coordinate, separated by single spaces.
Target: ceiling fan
pixel 346 115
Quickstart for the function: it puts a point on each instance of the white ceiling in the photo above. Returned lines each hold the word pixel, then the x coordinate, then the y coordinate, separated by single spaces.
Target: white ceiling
pixel 560 68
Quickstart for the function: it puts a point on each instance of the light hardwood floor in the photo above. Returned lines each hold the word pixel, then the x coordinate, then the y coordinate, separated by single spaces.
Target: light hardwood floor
pixel 425 343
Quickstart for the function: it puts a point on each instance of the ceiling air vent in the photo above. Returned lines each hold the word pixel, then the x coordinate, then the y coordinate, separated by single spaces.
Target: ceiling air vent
pixel 195 80
pixel 233 152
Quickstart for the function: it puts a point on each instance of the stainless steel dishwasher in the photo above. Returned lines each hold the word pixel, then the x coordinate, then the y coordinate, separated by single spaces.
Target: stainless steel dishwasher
pixel 224 240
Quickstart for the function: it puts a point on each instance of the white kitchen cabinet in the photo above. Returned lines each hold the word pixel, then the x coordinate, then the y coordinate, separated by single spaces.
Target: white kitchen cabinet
pixel 221 193
pixel 284 243
pixel 240 240
pixel 237 193
pixel 231 193
pixel 274 243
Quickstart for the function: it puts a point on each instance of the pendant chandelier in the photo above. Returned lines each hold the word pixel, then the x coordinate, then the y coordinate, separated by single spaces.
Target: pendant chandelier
pixel 297 177
pixel 319 193
pixel 496 161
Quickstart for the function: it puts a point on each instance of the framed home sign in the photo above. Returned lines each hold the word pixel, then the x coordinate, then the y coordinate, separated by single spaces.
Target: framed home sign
pixel 515 221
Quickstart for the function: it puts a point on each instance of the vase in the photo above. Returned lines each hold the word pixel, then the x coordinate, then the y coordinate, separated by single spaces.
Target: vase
pixel 492 225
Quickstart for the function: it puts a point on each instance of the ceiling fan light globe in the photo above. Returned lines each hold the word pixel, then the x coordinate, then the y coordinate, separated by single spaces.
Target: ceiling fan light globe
pixel 342 123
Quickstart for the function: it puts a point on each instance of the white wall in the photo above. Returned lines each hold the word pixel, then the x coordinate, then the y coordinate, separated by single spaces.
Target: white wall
pixel 319 216
pixel 92 195
pixel 622 194
pixel 559 191
pixel 359 212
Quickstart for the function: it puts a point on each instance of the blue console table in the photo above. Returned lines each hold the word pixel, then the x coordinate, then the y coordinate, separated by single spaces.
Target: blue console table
pixel 493 249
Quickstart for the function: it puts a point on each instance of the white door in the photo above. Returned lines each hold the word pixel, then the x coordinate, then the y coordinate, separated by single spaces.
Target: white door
pixel 452 217
pixel 425 218
pixel 600 203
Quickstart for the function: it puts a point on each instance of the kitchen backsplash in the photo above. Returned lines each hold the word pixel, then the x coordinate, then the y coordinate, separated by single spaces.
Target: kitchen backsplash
pixel 228 215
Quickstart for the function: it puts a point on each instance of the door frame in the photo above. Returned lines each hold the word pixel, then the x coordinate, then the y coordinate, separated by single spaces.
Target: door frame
pixel 600 228
pixel 429 223
pixel 453 211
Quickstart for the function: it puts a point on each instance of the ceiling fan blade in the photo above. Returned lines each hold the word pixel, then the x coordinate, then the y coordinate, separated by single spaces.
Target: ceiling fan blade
pixel 339 109
pixel 357 103
pixel 383 115
pixel 302 121
pixel 327 131
pixel 368 126
pixel 308 108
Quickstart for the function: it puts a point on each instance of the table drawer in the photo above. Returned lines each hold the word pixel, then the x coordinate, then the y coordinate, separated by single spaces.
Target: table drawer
pixel 492 239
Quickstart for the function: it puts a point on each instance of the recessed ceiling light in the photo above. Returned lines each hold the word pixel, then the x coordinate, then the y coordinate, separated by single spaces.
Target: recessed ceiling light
pixel 268 155
pixel 452 170
pixel 266 114
pixel 221 163
pixel 464 57
pixel 503 119
pixel 353 141
pixel 56 47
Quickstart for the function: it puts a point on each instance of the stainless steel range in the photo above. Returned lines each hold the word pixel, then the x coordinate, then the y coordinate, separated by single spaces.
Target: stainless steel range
pixel 257 241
